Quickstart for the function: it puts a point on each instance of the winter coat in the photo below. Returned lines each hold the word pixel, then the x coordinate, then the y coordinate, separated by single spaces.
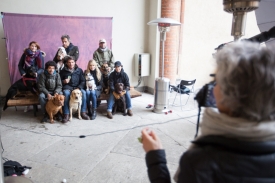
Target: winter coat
pixel 22 65
pixel 104 56
pixel 49 83
pixel 77 78
pixel 119 77
pixel 70 50
pixel 97 83
pixel 217 159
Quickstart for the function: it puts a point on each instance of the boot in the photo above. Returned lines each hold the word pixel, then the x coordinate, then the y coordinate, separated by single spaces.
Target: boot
pixel 130 112
pixel 45 118
pixel 109 115
pixel 84 116
pixel 93 113
pixel 59 116
pixel 65 118
pixel 90 111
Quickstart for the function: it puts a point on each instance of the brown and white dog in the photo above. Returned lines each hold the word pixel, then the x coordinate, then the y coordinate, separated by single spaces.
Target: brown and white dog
pixel 54 105
pixel 105 73
pixel 75 103
pixel 120 102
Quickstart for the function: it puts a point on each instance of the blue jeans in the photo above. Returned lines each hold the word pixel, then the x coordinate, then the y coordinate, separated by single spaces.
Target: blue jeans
pixel 91 96
pixel 66 106
pixel 111 101
pixel 43 100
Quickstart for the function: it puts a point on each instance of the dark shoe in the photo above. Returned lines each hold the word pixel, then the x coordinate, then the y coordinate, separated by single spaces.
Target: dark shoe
pixel 65 118
pixel 93 114
pixel 85 116
pixel 109 115
pixel 58 116
pixel 90 110
pixel 129 112
pixel 45 118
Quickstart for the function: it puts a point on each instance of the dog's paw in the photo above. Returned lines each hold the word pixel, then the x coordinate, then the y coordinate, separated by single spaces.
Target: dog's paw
pixel 70 119
pixel 52 121
pixel 79 117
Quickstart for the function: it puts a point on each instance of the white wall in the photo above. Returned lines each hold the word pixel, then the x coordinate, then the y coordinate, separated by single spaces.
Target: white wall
pixel 206 25
pixel 130 29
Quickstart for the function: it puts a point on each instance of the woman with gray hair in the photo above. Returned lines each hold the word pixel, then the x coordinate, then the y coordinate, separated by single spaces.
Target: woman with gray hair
pixel 236 142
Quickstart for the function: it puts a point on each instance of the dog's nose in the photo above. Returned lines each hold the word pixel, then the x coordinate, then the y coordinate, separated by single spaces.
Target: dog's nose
pixel 76 97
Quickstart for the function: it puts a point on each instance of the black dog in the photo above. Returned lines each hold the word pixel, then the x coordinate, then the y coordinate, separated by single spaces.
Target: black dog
pixel 105 73
pixel 27 83
pixel 120 102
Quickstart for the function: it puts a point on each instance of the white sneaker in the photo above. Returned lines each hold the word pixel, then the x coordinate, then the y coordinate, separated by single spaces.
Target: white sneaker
pixel 27 108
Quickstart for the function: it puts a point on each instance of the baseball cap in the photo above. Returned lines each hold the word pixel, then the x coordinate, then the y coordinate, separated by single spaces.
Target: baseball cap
pixel 102 41
pixel 117 63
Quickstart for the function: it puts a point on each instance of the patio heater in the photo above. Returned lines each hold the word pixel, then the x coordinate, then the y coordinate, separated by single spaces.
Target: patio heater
pixel 239 8
pixel 162 83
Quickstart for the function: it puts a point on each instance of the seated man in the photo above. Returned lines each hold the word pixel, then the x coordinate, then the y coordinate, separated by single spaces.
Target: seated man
pixel 119 76
pixel 49 83
pixel 70 49
pixel 72 78
pixel 103 54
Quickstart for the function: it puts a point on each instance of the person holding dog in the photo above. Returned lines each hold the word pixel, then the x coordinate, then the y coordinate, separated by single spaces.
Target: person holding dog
pixel 72 77
pixel 104 54
pixel 236 141
pixel 49 84
pixel 119 76
pixel 32 57
pixel 93 87
pixel 71 50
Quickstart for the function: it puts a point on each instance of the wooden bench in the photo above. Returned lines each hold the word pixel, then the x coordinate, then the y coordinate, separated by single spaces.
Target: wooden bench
pixel 27 99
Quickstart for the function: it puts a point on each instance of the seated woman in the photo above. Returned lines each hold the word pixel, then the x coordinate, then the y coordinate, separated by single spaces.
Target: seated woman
pixel 32 57
pixel 93 87
pixel 236 143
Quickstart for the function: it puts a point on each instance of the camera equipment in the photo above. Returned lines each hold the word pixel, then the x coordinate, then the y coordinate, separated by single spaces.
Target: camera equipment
pixel 205 98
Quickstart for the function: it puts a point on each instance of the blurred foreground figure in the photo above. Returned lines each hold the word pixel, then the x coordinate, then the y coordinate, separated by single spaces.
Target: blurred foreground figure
pixel 236 141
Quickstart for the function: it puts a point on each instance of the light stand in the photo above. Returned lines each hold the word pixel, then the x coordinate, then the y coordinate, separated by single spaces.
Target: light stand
pixel 162 83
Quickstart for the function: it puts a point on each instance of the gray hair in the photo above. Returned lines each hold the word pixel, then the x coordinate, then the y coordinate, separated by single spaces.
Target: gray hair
pixel 246 76
pixel 66 36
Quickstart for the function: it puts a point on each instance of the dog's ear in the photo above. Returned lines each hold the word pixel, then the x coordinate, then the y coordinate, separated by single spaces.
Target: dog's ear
pixel 56 94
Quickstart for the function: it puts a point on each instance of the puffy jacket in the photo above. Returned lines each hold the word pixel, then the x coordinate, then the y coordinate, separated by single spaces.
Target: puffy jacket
pixel 49 83
pixel 104 56
pixel 77 79
pixel 71 50
pixel 119 77
pixel 216 159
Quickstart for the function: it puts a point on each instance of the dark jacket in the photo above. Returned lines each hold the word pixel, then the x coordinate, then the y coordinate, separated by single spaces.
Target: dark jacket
pixel 22 67
pixel 70 50
pixel 119 77
pixel 77 79
pixel 98 83
pixel 216 159
pixel 48 83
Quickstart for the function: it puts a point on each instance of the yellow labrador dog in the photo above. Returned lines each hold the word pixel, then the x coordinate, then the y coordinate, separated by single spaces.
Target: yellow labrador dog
pixel 75 103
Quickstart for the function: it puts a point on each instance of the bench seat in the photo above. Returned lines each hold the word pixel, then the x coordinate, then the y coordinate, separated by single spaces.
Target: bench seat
pixel 27 99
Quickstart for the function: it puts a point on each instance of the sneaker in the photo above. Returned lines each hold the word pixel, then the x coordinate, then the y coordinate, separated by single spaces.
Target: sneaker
pixel 129 112
pixel 109 115
pixel 27 108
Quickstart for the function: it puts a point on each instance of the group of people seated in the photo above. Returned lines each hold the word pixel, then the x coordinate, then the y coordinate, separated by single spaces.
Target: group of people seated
pixel 62 75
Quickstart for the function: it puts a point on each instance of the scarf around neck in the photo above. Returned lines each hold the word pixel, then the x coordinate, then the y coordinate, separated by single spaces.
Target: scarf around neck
pixel 216 123
pixel 31 57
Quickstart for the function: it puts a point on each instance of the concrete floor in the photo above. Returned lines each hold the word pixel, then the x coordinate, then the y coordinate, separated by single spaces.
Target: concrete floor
pixel 110 152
